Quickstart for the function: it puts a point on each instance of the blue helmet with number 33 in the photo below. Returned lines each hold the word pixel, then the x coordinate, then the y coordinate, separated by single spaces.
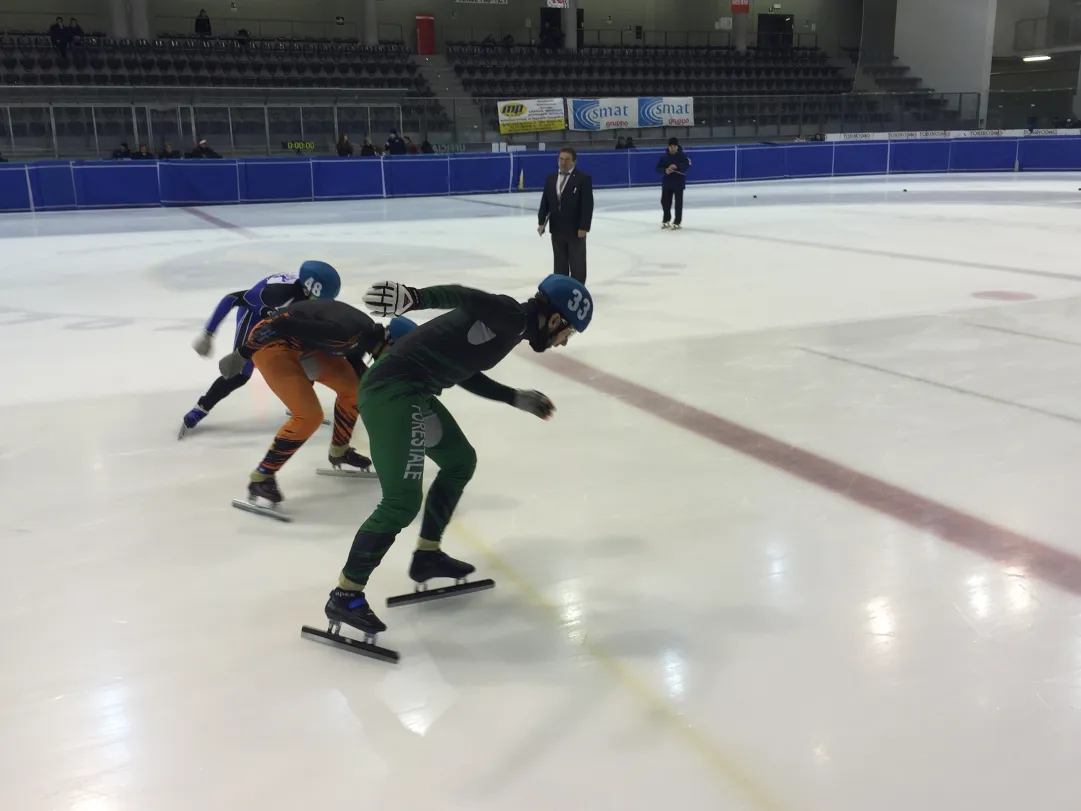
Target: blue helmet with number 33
pixel 320 280
pixel 570 299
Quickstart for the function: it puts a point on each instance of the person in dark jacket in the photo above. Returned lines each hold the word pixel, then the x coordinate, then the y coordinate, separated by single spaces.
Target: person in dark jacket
pixel 394 145
pixel 673 166
pixel 345 149
pixel 367 149
pixel 567 209
pixel 143 154
pixel 203 150
pixel 167 153
pixel 123 153
pixel 58 38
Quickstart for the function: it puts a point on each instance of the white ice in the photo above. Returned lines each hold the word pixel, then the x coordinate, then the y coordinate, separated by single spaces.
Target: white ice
pixel 676 624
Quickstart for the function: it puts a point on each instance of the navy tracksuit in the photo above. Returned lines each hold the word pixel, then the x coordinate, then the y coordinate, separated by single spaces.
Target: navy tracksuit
pixel 672 185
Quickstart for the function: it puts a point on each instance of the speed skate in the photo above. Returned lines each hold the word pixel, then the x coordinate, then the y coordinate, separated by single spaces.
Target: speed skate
pixel 427 565
pixel 264 498
pixel 252 504
pixel 349 465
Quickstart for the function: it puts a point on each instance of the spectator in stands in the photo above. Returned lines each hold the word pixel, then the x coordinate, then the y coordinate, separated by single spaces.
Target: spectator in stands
pixel 167 153
pixel 202 24
pixel 426 147
pixel 144 153
pixel 123 153
pixel 630 143
pixel 367 149
pixel 58 38
pixel 3 159
pixel 621 142
pixel 203 150
pixel 394 145
pixel 410 147
pixel 673 166
pixel 567 207
pixel 73 30
pixel 345 149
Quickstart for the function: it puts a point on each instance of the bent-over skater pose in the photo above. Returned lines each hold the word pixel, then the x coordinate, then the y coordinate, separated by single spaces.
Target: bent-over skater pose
pixel 405 421
pixel 314 280
pixel 302 344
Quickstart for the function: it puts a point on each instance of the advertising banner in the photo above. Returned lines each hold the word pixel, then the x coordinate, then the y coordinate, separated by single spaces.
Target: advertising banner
pixel 630 113
pixel 918 135
pixel 531 115
pixel 741 6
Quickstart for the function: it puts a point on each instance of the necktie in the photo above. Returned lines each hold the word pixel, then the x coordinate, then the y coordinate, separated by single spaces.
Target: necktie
pixel 562 182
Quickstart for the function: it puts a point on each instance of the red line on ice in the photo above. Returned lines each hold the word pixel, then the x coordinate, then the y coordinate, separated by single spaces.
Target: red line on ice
pixel 997 543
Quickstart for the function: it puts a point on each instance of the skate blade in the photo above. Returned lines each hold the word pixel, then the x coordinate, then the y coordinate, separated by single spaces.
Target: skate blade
pixel 347 474
pixel 258 509
pixel 352 645
pixel 424 595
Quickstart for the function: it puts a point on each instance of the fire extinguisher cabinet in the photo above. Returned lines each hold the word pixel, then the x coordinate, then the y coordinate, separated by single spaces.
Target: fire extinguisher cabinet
pixel 425 34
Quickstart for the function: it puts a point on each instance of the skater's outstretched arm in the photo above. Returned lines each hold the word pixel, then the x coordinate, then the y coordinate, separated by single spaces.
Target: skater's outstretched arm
pixel 227 303
pixel 483 386
pixel 499 313
pixel 532 402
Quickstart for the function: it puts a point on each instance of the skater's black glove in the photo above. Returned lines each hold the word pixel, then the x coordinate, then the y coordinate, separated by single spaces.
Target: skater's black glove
pixel 534 402
pixel 231 365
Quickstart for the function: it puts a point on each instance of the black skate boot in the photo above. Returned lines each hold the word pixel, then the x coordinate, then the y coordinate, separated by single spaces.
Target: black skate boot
pixel 266 488
pixel 428 564
pixel 438 563
pixel 351 608
pixel 357 466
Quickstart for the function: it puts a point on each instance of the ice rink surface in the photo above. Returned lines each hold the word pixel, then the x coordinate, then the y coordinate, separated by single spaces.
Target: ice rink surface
pixel 802 536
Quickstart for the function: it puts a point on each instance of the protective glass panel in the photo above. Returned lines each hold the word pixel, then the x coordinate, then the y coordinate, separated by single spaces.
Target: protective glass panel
pixel 249 131
pixel 75 132
pixel 33 133
pixel 212 125
pixel 286 135
pixel 318 125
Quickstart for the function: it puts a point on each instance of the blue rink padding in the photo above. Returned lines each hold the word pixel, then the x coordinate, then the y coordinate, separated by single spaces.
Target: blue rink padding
pixel 70 185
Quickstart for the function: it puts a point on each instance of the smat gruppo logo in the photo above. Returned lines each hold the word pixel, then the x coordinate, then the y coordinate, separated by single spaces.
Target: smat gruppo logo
pixel 658 112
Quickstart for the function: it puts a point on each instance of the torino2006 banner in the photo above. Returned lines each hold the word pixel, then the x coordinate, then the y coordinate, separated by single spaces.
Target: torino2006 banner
pixel 618 114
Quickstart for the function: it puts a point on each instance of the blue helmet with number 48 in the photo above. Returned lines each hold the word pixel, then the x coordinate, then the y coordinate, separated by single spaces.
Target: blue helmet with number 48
pixel 570 298
pixel 320 280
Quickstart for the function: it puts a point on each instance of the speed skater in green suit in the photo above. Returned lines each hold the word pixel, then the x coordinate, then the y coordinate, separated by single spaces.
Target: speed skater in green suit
pixel 405 421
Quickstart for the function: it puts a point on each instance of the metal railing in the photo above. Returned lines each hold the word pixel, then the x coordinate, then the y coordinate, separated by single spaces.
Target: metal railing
pixel 620 37
pixel 70 124
pixel 271 28
pixel 1043 33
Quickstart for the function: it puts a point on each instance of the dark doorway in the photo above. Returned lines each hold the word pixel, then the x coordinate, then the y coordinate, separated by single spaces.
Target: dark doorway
pixel 551 28
pixel 775 30
pixel 581 22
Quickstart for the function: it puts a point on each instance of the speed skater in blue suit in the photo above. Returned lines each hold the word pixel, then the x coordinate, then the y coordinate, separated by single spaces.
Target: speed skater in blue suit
pixel 314 280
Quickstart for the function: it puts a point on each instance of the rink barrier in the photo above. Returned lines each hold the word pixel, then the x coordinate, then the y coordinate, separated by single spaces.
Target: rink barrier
pixel 69 185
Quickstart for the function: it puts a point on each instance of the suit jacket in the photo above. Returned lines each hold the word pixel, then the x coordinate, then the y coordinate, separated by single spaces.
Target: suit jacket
pixel 574 211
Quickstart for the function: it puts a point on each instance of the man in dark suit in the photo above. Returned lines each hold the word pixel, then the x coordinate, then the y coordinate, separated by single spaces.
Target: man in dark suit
pixel 567 208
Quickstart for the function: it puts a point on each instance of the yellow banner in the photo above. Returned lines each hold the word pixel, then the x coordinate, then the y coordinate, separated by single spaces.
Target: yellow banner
pixel 531 115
